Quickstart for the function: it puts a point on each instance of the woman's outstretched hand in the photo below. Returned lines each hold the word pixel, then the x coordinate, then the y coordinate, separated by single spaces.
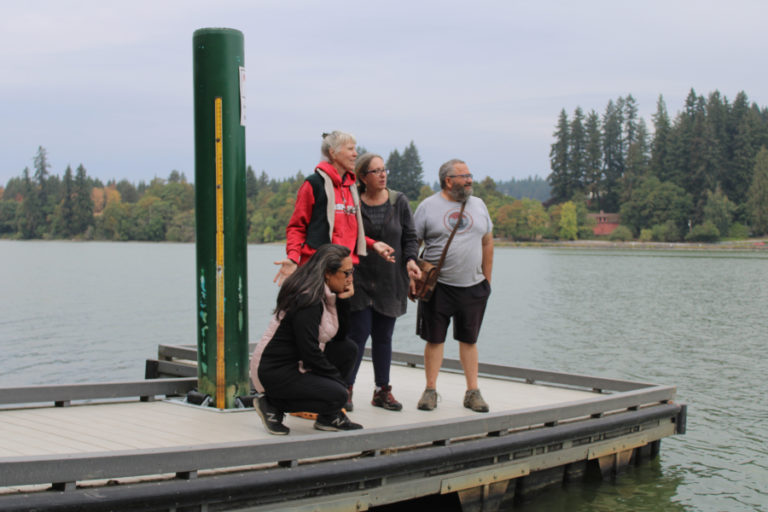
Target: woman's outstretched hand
pixel 414 272
pixel 385 251
pixel 287 267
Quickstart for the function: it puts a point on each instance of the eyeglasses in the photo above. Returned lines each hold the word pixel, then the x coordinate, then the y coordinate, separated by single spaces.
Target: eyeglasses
pixel 377 172
pixel 347 273
pixel 465 176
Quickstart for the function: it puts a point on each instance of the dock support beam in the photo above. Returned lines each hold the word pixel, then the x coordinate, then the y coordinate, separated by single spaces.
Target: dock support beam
pixel 220 214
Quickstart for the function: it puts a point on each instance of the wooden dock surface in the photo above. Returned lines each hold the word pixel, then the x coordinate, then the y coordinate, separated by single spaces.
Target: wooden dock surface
pixel 100 427
pixel 125 446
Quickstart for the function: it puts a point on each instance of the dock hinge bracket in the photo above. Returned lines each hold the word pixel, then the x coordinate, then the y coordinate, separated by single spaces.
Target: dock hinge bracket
pixel 496 474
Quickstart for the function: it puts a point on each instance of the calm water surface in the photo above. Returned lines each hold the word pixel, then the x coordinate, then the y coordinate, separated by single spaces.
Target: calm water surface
pixel 79 312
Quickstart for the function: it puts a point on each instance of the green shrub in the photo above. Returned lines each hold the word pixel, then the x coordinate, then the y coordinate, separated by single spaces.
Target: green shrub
pixel 621 233
pixel 646 235
pixel 666 232
pixel 586 233
pixel 738 231
pixel 706 232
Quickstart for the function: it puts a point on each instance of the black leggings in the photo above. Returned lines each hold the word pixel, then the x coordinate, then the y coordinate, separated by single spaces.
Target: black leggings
pixel 290 390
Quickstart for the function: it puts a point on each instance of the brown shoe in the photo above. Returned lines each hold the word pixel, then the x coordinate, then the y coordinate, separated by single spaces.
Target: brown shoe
pixel 428 400
pixel 474 400
pixel 383 398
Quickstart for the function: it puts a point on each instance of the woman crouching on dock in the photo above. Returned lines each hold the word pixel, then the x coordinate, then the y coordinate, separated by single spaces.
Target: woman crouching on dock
pixel 303 359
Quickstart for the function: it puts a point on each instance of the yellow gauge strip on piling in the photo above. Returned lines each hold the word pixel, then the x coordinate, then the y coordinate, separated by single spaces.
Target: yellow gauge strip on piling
pixel 220 364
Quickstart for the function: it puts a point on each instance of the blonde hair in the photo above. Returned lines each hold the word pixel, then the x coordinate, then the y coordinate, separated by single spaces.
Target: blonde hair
pixel 333 141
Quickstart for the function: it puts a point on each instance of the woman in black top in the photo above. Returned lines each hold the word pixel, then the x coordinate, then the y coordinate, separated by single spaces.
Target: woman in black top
pixel 381 287
pixel 304 364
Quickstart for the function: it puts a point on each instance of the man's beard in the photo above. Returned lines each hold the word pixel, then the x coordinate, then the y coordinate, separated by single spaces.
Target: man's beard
pixel 460 193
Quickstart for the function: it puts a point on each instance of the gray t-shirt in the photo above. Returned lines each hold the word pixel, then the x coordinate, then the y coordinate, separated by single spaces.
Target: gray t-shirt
pixel 435 218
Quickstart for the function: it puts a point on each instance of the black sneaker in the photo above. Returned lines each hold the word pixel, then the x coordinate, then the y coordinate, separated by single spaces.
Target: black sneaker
pixel 335 422
pixel 272 418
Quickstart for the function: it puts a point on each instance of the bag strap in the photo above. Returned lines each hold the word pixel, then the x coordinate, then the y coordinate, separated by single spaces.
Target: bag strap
pixel 450 238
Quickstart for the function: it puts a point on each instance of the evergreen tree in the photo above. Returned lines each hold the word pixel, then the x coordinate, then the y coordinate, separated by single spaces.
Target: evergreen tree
pixel 745 148
pixel 757 204
pixel 631 123
pixel 577 153
pixel 82 212
pixel 593 177
pixel 681 142
pixel 717 113
pixel 405 172
pixel 64 217
pixel 8 212
pixel 659 164
pixel 530 187
pixel 702 173
pixel 637 159
pixel 45 200
pixel 251 183
pixel 558 160
pixel 613 155
pixel 175 177
pixel 263 181
pixel 30 220
pixel 41 174
pixel 128 192
pixel 14 189
pixel 393 164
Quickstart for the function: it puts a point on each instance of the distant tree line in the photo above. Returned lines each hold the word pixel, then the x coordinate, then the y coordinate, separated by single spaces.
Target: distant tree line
pixel 699 176
pixel 41 205
pixel 632 174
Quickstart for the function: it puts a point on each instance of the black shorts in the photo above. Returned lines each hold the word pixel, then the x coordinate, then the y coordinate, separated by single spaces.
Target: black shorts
pixel 466 305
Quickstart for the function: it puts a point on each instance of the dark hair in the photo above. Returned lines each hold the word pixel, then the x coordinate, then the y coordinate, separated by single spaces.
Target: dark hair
pixel 362 165
pixel 306 286
pixel 446 168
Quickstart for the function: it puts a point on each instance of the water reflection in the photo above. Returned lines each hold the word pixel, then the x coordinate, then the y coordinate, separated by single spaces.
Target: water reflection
pixel 643 488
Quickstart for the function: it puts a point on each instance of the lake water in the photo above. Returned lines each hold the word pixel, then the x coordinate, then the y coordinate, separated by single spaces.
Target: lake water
pixel 80 312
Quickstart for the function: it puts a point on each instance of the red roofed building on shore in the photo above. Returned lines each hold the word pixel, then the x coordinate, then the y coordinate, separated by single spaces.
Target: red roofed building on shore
pixel 605 223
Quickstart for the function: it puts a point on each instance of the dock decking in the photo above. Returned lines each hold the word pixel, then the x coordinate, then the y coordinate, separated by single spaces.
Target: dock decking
pixel 159 454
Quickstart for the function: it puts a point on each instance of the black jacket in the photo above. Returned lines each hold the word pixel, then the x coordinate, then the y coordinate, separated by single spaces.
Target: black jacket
pixel 378 283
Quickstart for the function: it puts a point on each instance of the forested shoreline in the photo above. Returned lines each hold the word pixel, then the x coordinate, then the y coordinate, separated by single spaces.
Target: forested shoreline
pixel 41 205
pixel 702 176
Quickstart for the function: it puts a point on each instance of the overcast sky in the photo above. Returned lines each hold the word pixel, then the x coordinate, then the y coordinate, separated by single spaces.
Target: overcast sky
pixel 109 84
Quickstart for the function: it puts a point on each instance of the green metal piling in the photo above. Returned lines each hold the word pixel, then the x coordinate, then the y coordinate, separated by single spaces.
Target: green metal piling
pixel 220 214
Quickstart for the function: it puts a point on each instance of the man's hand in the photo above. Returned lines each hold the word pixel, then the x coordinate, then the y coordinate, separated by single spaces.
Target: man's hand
pixel 287 267
pixel 385 251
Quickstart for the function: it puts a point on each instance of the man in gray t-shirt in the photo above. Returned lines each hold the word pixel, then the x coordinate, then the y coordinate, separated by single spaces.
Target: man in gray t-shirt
pixel 463 286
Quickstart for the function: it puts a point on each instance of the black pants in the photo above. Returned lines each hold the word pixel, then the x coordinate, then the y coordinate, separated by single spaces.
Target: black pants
pixel 290 390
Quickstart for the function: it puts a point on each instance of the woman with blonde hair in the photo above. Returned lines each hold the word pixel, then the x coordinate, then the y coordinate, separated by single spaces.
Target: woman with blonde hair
pixel 327 209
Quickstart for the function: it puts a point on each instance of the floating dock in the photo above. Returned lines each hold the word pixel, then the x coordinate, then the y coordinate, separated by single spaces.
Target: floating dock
pixel 139 446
